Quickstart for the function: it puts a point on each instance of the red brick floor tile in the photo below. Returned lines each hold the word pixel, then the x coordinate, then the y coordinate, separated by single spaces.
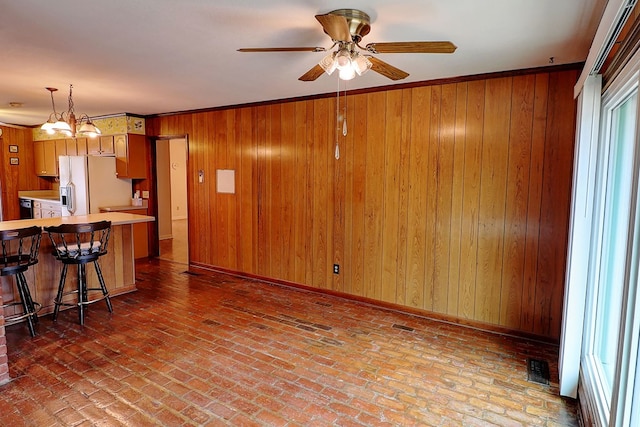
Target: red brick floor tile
pixel 214 350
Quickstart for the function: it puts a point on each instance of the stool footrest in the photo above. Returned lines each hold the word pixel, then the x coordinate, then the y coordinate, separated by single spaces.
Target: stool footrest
pixel 82 291
pixel 75 304
pixel 15 318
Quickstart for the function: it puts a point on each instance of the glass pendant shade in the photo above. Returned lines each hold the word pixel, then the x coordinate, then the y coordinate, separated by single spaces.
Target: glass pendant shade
pixel 61 126
pixel 328 63
pixel 89 129
pixel 343 59
pixel 347 73
pixel 361 63
pixel 48 127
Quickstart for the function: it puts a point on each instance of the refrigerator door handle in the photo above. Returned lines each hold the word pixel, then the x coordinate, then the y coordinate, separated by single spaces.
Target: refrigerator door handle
pixel 67 196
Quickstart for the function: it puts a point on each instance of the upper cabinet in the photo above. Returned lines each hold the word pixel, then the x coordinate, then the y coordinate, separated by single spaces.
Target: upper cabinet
pixel 76 147
pixel 131 156
pixel 130 151
pixel 45 158
pixel 46 153
pixel 100 146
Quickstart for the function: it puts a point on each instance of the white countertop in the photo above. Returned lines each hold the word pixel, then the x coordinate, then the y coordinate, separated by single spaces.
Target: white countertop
pixel 124 207
pixel 50 196
pixel 116 218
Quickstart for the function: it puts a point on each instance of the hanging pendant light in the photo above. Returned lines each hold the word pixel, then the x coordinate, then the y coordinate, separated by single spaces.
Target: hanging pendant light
pixel 88 129
pixel 50 125
pixel 66 123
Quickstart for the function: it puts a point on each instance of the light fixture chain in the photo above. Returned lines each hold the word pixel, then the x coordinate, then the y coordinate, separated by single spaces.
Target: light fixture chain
pixel 344 115
pixel 70 100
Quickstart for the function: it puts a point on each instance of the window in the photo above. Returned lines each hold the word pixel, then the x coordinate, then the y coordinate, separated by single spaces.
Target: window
pixel 612 328
pixel 615 199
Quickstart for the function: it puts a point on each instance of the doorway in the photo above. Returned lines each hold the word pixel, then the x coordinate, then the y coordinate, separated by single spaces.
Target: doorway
pixel 172 214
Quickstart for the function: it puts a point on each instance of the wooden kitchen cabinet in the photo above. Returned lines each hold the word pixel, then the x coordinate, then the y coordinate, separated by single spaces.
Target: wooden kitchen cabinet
pixel 75 147
pixel 61 150
pixel 131 156
pixel 140 231
pixel 45 158
pixel 130 152
pixel 81 146
pixel 61 147
pixel 71 147
pixel 100 146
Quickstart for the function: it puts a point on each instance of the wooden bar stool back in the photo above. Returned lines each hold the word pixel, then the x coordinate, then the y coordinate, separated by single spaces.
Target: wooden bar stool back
pixel 80 244
pixel 19 252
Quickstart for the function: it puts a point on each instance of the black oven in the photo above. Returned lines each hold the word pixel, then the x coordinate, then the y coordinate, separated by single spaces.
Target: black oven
pixel 26 209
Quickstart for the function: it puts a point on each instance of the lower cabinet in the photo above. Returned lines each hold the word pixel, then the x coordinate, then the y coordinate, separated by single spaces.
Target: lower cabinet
pixel 46 209
pixel 140 232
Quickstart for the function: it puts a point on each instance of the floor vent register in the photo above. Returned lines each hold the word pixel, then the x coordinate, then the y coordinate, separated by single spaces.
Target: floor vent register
pixel 538 371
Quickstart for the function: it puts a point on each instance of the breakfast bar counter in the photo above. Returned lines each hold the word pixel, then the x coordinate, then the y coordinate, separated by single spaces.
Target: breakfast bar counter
pixel 117 266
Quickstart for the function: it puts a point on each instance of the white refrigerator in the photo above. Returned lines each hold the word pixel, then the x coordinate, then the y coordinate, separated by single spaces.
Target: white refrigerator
pixel 88 183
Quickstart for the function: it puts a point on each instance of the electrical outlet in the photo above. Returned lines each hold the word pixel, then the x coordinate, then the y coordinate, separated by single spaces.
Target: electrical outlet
pixel 145 194
pixel 336 268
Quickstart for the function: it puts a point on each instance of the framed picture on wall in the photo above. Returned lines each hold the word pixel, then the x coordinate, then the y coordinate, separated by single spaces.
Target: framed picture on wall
pixel 14 160
pixel 13 148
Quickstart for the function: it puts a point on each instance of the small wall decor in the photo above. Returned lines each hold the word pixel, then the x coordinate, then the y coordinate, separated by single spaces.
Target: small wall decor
pixel 14 160
pixel 226 181
pixel 13 148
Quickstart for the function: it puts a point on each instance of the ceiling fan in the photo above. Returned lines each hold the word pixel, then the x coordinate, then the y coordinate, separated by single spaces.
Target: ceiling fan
pixel 347 27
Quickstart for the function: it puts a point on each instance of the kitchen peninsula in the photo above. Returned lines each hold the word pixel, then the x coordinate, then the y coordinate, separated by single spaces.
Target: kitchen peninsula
pixel 117 266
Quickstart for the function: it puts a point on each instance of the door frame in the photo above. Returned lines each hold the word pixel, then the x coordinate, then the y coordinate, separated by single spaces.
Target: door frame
pixel 154 249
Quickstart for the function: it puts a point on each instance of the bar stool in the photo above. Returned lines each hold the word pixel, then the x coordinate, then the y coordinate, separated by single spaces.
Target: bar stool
pixel 80 244
pixel 19 252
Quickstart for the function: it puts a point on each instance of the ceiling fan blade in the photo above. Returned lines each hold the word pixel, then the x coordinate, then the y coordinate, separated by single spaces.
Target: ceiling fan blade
pixel 387 70
pixel 412 47
pixel 335 26
pixel 312 74
pixel 282 49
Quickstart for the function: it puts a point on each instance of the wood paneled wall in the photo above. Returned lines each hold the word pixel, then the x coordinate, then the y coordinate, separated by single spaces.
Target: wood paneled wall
pixel 16 177
pixel 451 199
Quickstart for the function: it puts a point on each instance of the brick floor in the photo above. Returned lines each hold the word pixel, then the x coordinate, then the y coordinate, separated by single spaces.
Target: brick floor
pixel 211 349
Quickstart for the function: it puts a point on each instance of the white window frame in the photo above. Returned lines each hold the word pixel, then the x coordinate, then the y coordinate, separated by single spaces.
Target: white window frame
pixel 618 411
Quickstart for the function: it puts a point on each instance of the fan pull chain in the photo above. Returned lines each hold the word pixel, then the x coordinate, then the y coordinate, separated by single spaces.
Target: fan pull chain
pixel 344 118
pixel 344 115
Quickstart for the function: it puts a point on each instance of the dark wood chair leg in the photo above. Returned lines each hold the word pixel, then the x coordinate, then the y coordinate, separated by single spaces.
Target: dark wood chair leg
pixel 82 292
pixel 105 292
pixel 23 291
pixel 58 301
pixel 30 303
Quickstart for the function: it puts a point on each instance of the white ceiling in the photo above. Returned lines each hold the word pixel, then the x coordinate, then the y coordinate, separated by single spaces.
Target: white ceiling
pixel 155 56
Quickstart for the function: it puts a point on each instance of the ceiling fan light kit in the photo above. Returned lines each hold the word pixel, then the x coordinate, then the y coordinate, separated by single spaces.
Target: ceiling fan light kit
pixel 347 27
pixel 348 63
